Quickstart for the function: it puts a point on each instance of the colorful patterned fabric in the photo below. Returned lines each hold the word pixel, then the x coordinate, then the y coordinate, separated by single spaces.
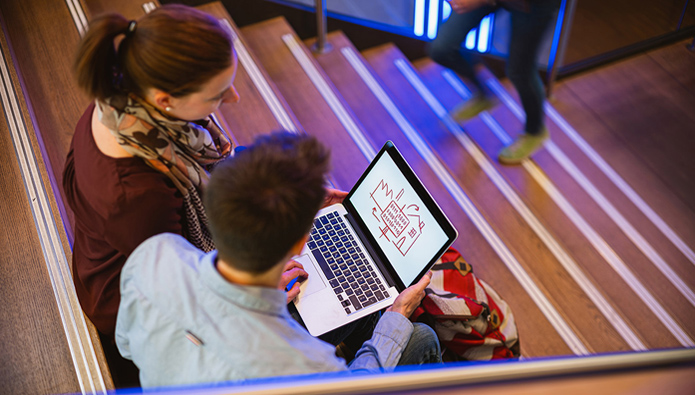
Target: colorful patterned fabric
pixel 183 151
pixel 472 322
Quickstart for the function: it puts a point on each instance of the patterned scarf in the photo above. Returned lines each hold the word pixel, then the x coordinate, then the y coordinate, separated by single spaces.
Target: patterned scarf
pixel 183 151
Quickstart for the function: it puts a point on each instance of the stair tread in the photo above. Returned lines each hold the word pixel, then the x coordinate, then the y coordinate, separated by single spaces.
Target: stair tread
pixel 131 9
pixel 37 356
pixel 252 115
pixel 530 251
pixel 312 110
pixel 604 277
pixel 381 126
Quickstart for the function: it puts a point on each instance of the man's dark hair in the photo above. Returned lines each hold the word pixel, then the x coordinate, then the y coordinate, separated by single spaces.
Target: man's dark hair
pixel 262 201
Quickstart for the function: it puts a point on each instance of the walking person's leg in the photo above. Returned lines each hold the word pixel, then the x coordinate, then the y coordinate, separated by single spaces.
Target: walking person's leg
pixel 528 30
pixel 447 50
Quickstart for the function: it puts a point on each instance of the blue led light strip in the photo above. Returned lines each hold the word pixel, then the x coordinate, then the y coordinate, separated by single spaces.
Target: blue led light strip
pixel 485 34
pixel 433 19
pixel 419 21
pixel 446 10
pixel 471 38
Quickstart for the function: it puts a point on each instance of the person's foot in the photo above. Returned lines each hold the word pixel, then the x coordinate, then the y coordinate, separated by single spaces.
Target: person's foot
pixel 523 147
pixel 472 107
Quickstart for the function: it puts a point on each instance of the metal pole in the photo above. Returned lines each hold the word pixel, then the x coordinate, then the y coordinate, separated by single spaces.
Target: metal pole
pixel 322 45
pixel 567 15
pixel 680 21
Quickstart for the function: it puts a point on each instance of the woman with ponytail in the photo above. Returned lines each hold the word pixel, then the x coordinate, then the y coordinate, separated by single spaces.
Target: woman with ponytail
pixel 141 152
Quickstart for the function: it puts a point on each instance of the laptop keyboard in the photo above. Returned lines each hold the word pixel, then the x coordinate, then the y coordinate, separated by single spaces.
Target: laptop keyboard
pixel 343 262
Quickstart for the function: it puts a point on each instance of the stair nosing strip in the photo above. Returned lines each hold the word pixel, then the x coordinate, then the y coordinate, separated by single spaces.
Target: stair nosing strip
pixel 74 324
pixel 330 97
pixel 597 241
pixel 553 245
pixel 262 85
pixel 607 170
pixel 546 307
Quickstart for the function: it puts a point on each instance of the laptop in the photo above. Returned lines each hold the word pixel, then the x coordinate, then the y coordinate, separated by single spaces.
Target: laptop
pixel 362 253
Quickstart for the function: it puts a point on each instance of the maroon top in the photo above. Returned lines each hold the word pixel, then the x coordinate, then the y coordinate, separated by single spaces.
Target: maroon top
pixel 118 204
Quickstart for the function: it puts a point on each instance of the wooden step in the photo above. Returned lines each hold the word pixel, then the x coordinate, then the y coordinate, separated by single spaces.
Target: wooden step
pixel 37 358
pixel 636 179
pixel 649 110
pixel 261 108
pixel 532 252
pixel 54 349
pixel 610 143
pixel 311 108
pixel 130 9
pixel 649 283
pixel 647 179
pixel 381 126
pixel 44 37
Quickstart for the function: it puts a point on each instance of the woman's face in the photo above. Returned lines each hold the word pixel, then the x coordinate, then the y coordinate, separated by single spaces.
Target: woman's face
pixel 220 89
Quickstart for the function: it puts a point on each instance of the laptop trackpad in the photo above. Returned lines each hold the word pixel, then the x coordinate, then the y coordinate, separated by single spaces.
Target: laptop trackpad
pixel 315 282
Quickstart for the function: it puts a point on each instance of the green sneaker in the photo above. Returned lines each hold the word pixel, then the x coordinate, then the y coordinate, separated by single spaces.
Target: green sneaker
pixel 523 147
pixel 472 107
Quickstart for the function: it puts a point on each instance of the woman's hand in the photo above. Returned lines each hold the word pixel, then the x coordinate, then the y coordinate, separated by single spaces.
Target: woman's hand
pixel 333 196
pixel 463 6
pixel 293 270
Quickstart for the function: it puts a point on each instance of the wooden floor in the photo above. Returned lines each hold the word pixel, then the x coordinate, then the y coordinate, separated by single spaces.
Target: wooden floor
pixel 644 106
pixel 600 27
pixel 590 242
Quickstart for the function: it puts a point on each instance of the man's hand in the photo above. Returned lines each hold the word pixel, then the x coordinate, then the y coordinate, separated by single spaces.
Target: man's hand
pixel 333 196
pixel 411 297
pixel 293 269
pixel 463 6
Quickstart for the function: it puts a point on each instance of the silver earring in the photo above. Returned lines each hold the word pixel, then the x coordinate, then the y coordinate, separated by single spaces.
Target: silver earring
pixel 167 109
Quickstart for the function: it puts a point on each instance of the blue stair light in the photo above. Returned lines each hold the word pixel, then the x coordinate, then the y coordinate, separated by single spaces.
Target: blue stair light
pixel 419 21
pixel 478 39
pixel 471 38
pixel 485 35
pixel 446 11
pixel 433 20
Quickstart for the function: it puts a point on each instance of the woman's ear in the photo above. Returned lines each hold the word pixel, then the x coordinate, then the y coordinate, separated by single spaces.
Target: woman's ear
pixel 161 99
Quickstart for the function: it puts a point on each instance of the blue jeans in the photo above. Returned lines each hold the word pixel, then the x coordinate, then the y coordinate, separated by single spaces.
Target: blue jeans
pixel 527 32
pixel 423 347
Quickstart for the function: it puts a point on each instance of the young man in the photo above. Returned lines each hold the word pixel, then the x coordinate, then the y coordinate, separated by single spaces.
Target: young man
pixel 189 317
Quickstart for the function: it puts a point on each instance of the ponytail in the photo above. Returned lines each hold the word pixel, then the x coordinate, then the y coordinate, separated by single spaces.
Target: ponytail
pixel 175 48
pixel 96 65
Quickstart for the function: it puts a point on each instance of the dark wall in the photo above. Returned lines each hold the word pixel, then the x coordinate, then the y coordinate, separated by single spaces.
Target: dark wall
pixel 247 12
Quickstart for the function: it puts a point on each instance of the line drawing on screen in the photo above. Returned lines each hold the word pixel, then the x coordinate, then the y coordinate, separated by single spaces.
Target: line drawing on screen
pixel 397 219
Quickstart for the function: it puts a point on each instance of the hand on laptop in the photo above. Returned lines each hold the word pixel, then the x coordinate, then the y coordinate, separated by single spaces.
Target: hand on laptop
pixel 410 298
pixel 293 270
pixel 333 196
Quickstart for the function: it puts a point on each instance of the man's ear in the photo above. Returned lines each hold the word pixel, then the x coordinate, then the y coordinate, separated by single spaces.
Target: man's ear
pixel 299 245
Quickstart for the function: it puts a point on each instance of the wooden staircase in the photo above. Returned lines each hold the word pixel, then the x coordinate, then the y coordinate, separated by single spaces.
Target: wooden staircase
pixel 583 269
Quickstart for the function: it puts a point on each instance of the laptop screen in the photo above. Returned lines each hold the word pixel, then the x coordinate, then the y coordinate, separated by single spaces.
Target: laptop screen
pixel 393 209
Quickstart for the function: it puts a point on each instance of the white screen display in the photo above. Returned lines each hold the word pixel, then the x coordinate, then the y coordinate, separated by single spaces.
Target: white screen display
pixel 398 219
